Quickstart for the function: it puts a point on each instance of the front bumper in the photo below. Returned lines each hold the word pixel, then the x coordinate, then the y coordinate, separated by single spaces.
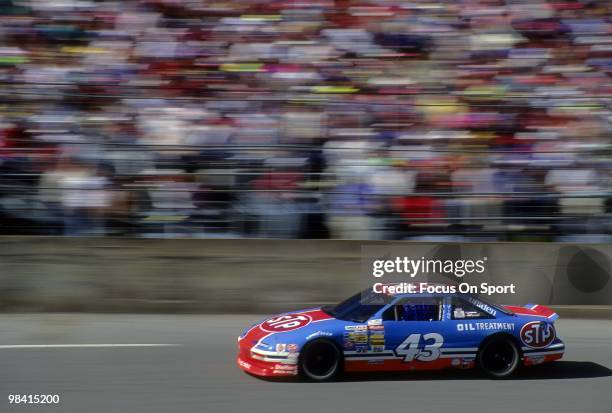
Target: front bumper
pixel 532 357
pixel 266 369
pixel 267 364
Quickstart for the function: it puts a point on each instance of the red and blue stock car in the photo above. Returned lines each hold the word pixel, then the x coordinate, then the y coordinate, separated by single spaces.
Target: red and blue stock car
pixel 371 332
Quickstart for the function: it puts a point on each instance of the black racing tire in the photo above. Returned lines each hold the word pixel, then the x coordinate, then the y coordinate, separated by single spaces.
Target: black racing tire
pixel 499 357
pixel 320 360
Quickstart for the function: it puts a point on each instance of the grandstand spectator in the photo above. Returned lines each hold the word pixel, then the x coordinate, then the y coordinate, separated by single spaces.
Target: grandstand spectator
pixel 509 101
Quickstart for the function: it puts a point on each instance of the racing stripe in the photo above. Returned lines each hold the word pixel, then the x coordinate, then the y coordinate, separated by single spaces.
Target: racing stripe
pixel 316 315
pixel 368 354
pixel 457 355
pixel 544 353
pixel 459 349
pixel 382 355
pixel 553 347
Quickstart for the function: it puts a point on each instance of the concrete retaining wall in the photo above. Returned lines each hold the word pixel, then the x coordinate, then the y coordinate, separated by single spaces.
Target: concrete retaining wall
pixel 142 275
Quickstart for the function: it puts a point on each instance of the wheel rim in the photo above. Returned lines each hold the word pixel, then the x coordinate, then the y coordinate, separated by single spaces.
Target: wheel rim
pixel 320 360
pixel 499 357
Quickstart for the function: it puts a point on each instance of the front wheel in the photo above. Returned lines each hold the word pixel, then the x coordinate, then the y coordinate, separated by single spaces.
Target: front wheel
pixel 320 360
pixel 499 358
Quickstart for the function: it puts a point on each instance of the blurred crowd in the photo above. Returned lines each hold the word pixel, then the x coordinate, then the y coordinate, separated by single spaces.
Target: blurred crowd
pixel 390 119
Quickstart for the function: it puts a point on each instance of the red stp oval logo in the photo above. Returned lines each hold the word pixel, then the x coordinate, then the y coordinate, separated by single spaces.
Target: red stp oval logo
pixel 537 334
pixel 286 323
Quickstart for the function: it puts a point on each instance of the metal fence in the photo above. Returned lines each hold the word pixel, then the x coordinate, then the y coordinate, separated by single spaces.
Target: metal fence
pixel 295 191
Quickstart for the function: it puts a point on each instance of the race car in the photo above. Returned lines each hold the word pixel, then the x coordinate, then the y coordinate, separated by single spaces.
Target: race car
pixel 394 332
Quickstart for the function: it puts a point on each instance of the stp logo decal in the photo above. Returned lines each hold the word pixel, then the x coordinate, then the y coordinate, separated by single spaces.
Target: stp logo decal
pixel 537 334
pixel 285 323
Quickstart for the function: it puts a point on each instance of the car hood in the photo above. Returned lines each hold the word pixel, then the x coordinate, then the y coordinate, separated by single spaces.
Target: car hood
pixel 295 327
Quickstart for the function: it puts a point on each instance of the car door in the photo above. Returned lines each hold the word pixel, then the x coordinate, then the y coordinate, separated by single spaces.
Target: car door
pixel 412 328
pixel 467 326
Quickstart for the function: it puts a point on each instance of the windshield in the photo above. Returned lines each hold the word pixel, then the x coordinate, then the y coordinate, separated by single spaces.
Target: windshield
pixel 357 308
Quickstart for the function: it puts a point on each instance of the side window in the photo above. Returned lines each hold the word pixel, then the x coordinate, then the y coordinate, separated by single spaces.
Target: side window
pixel 462 310
pixel 414 309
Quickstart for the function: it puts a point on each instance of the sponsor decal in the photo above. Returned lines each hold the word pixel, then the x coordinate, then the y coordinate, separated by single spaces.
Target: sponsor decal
pixel 484 307
pixel 375 322
pixel 356 338
pixel 285 372
pixel 465 364
pixel 538 334
pixel 534 360
pixel 280 348
pixel 284 367
pixel 479 326
pixel 377 341
pixel 286 322
pixel 319 334
pixel 356 328
pixel 377 338
pixel 364 338
pixel 292 348
pixel 244 364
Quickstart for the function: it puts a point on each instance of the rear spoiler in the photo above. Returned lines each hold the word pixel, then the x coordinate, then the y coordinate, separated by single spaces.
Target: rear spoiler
pixel 543 311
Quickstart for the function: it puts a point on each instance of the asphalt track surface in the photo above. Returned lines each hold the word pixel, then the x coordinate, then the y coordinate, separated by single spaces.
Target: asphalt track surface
pixel 199 374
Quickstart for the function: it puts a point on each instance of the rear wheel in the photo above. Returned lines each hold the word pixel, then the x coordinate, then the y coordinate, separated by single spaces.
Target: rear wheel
pixel 320 360
pixel 499 357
